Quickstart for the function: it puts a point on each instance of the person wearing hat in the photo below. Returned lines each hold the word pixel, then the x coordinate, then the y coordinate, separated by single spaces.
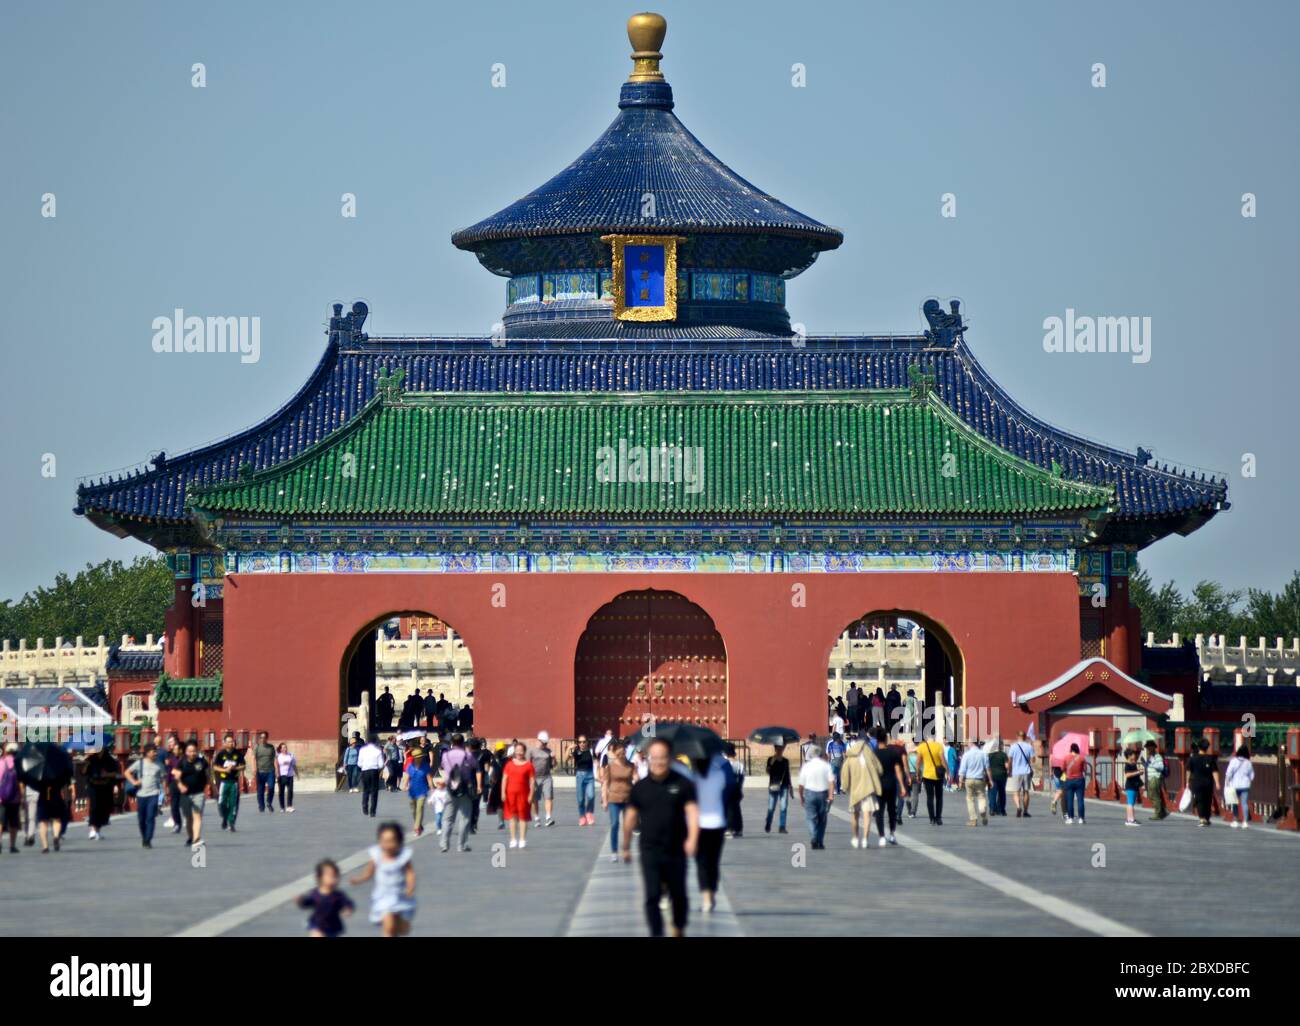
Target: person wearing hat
pixel 543 760
pixel 416 782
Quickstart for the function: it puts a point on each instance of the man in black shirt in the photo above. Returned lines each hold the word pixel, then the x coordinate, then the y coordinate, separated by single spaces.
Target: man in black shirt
pixel 779 787
pixel 1203 779
pixel 663 806
pixel 893 782
pixel 191 781
pixel 228 766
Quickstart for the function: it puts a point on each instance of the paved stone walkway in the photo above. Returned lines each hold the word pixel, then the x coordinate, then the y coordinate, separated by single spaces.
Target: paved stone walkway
pixel 1014 878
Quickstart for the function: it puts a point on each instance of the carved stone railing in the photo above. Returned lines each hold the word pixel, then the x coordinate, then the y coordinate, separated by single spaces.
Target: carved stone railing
pixel 441 664
pixel 1240 662
pixel 877 662
pixel 62 664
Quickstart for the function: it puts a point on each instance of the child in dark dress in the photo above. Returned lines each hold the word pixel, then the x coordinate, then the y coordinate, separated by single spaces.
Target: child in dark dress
pixel 328 904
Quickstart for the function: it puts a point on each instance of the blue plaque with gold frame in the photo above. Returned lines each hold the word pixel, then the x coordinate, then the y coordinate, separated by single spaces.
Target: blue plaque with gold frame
pixel 644 276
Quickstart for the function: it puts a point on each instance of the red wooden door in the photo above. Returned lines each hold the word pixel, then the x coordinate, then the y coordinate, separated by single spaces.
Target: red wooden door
pixel 650 653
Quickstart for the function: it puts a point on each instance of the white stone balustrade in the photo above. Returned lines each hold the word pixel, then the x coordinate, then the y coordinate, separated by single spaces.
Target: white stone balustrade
pixel 877 662
pixel 441 664
pixel 1242 662
pixel 62 664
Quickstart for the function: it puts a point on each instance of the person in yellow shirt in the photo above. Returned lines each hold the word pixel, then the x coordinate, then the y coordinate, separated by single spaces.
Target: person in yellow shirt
pixel 932 760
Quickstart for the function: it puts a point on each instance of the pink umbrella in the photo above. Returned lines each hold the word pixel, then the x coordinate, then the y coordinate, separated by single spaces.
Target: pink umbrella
pixel 1061 747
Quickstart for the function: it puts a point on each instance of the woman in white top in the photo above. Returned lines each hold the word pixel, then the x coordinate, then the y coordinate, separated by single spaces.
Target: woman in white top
pixel 1236 784
pixel 711 777
pixel 286 768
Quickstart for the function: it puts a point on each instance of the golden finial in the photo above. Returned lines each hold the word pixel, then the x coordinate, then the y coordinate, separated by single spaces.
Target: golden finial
pixel 646 34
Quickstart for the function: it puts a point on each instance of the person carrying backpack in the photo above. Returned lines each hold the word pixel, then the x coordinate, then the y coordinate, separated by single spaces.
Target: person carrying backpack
pixel 835 750
pixel 464 782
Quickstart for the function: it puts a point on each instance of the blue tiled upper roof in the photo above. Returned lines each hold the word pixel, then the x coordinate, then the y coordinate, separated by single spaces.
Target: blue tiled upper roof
pixel 647 150
pixel 344 381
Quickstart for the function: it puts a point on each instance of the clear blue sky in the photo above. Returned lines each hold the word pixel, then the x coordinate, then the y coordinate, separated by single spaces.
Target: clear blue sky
pixel 226 200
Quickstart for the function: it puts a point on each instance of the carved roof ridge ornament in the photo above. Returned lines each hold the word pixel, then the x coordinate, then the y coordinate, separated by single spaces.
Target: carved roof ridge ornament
pixel 389 385
pixel 945 328
pixel 922 382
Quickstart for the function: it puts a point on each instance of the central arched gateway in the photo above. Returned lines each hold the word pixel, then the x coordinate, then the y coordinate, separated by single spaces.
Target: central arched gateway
pixel 649 653
pixel 403 654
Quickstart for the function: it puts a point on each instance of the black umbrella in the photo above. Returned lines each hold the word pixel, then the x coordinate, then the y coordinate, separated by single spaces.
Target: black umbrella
pixel 41 763
pixel 774 736
pixel 685 739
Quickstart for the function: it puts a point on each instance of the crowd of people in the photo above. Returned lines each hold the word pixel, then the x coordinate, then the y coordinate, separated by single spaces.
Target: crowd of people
pixel 682 810
pixel 857 709
pixel 425 711
pixel 175 780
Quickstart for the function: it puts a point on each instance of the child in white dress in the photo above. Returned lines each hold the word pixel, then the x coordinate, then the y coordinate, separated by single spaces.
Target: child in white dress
pixel 392 899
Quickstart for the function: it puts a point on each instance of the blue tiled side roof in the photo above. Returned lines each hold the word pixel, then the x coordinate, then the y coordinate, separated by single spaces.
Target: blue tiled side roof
pixel 647 150
pixel 345 380
pixel 133 661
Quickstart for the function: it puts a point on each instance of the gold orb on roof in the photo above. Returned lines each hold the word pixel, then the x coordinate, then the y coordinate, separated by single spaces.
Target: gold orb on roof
pixel 646 33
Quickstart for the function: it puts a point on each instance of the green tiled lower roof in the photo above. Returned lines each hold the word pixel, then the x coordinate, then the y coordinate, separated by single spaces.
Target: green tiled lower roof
pixel 882 452
pixel 187 692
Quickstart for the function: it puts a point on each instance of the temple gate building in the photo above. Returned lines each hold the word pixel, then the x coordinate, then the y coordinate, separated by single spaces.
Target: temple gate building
pixel 647 494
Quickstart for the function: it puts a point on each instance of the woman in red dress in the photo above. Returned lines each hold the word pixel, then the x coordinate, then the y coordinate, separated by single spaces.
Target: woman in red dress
pixel 517 780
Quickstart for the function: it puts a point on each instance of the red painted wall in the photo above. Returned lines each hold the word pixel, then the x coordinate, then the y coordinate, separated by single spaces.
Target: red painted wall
pixel 286 635
pixel 202 720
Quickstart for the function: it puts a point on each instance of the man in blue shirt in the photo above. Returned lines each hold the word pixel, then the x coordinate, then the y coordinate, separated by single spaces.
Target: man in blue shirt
pixel 1022 773
pixel 973 775
pixel 418 772
pixel 835 753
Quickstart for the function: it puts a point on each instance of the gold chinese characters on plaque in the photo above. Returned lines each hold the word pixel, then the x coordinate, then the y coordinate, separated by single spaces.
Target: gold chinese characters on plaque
pixel 644 276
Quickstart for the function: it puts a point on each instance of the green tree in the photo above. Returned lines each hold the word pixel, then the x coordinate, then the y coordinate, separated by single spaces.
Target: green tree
pixel 1275 616
pixel 1161 609
pixel 109 598
pixel 1213 609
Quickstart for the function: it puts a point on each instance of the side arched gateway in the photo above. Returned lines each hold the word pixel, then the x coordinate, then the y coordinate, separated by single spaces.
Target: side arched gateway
pixel 897 655
pixel 649 653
